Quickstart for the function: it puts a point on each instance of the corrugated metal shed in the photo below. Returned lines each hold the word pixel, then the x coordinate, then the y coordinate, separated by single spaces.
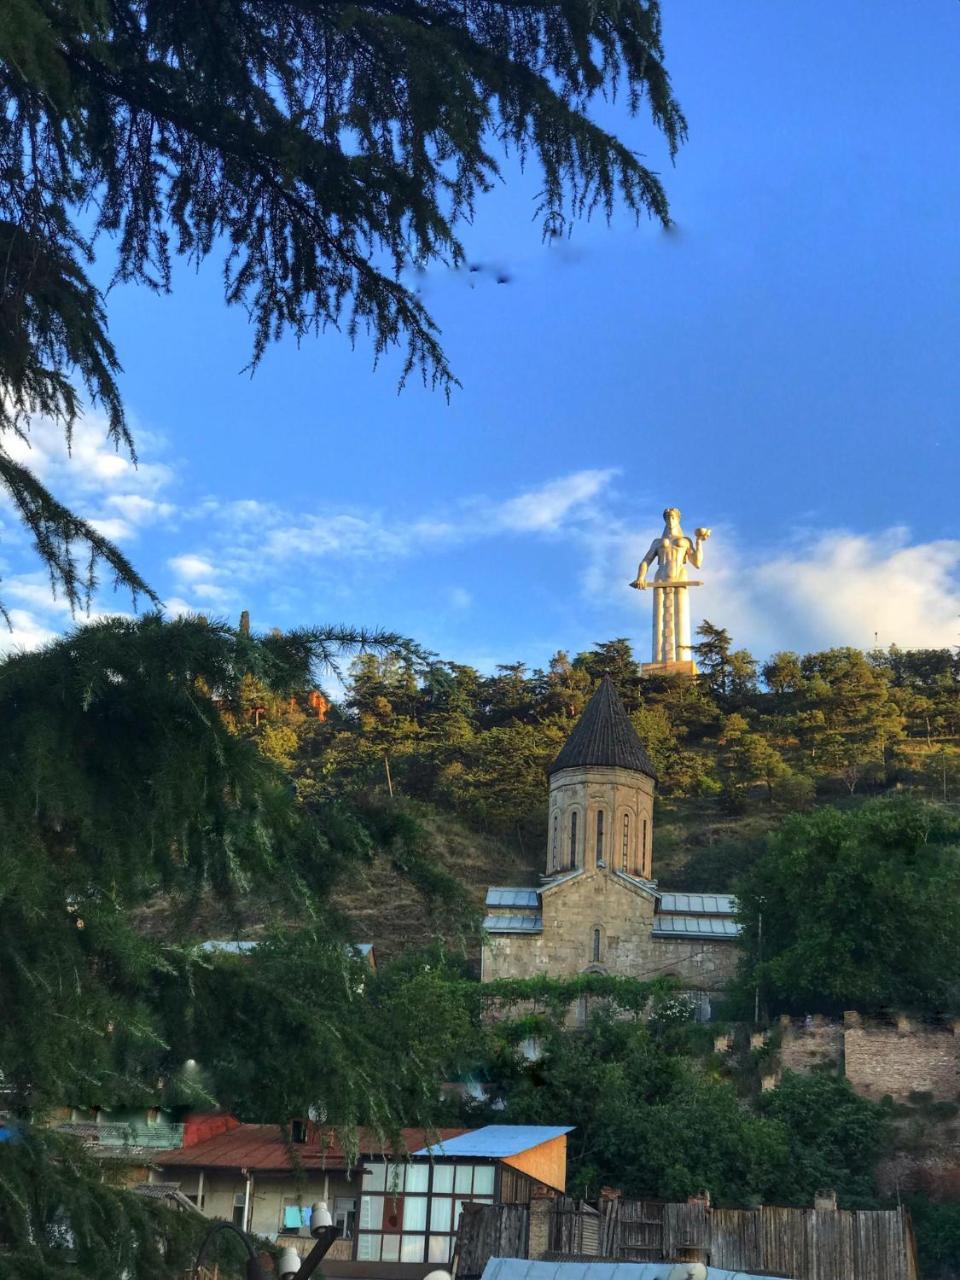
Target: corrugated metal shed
pixel 496 1141
pixel 497 897
pixel 521 1269
pixel 698 904
pixel 694 927
pixel 513 924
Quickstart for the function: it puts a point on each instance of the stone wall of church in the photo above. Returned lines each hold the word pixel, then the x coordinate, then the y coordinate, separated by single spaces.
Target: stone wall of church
pixel 606 808
pixel 574 910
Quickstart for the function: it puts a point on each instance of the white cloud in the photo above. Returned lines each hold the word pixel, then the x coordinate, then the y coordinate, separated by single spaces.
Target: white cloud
pixel 850 588
pixel 174 607
pixel 823 589
pixel 460 598
pixel 33 590
pixel 189 567
pixel 546 508
pixel 139 510
pixel 112 527
pixel 249 541
pixel 92 464
pixel 26 631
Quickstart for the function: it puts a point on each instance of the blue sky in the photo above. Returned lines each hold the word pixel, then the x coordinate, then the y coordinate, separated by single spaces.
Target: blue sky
pixel 784 368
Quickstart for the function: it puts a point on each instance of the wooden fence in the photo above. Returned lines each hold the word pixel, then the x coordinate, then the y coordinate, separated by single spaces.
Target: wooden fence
pixel 802 1244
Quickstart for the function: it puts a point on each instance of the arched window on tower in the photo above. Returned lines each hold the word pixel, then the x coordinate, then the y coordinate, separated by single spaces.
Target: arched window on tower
pixel 644 845
pixel 573 838
pixel 555 848
pixel 599 835
pixel 625 851
pixel 596 946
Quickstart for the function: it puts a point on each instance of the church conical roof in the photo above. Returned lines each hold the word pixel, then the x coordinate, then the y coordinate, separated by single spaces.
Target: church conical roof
pixel 604 735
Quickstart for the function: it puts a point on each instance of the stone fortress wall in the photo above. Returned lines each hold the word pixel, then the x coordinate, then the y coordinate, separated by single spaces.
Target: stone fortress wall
pixel 879 1059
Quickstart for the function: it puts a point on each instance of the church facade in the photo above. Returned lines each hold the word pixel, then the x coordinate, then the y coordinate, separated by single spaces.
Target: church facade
pixel 598 908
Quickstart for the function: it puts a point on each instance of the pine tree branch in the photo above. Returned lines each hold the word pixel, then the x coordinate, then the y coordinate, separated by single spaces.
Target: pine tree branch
pixel 58 534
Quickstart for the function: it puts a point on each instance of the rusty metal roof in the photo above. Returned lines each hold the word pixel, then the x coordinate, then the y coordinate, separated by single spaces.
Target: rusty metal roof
pixel 604 735
pixel 265 1147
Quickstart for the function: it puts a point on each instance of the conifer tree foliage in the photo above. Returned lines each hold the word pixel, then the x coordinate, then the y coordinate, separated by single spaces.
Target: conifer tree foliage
pixel 320 148
pixel 121 780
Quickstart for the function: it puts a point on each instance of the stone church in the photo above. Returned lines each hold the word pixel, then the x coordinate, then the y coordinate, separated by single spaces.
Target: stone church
pixel 598 908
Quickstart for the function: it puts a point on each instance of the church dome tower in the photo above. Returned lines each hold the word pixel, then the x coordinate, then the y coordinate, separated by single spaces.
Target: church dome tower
pixel 601 794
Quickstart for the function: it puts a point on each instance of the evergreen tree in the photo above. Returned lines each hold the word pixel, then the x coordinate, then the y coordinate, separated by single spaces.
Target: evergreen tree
pixel 614 658
pixel 713 653
pixel 860 909
pixel 135 791
pixel 323 149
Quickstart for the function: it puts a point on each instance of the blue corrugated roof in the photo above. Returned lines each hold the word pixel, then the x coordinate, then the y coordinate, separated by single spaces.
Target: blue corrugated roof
pixel 497 1141
pixel 522 1269
pixel 498 897
pixel 695 927
pixel 698 904
pixel 513 924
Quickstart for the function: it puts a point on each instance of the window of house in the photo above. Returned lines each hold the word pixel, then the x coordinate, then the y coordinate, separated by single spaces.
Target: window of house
pixel 239 1201
pixel 411 1214
pixel 555 852
pixel 599 834
pixel 596 946
pixel 625 854
pixel 345 1215
pixel 573 838
pixel 294 1215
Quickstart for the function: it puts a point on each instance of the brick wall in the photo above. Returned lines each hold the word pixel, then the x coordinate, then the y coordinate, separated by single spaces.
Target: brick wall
pixel 877 1058
pixel 904 1059
pixel 814 1043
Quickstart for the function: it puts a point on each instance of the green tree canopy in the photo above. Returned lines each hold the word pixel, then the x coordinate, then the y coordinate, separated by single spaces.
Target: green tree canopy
pixel 321 149
pixel 121 783
pixel 652 1120
pixel 860 910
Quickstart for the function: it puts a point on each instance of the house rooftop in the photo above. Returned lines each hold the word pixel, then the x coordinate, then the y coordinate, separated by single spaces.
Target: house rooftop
pixel 496 1141
pixel 604 736
pixel 267 1147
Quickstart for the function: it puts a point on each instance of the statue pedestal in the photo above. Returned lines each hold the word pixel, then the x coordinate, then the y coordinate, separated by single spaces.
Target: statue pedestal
pixel 684 667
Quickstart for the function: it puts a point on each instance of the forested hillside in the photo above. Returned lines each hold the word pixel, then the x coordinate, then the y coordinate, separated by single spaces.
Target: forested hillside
pixel 736 749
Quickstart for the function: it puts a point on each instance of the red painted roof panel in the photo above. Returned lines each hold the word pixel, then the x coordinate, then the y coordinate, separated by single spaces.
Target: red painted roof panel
pixel 266 1147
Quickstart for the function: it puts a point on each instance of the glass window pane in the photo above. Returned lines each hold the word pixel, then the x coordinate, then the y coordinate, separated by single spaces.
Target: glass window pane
pixel 417 1177
pixel 368 1248
pixel 457 1208
pixel 415 1213
pixel 392 1212
pixel 374 1176
pixel 443 1178
pixel 439 1249
pixel 440 1208
pixel 391 1249
pixel 483 1180
pixel 411 1249
pixel 371 1212
pixel 464 1178
pixel 395 1174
